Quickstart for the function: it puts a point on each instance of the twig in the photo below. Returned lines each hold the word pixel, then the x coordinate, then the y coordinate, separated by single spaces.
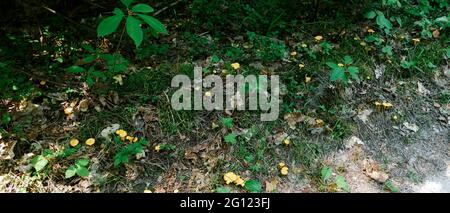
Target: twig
pixel 167 7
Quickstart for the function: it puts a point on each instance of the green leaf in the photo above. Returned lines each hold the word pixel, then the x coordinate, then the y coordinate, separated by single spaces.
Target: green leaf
pixel 90 81
pixel 348 59
pixel 142 8
pixel 332 65
pixel 76 69
pixel 253 186
pixel 230 138
pixel 223 189
pixel 154 23
pixel 370 15
pixel 390 186
pixel 227 122
pixel 338 74
pixel 127 2
pixel 383 22
pixel 110 24
pixel 341 183
pixel 39 162
pixel 82 162
pixel 353 72
pixel 82 171
pixel 387 49
pixel 71 171
pixel 134 30
pixel 89 59
pixel 6 118
pixel 325 173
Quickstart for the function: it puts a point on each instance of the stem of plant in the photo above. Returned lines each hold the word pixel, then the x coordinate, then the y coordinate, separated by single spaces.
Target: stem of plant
pixel 117 48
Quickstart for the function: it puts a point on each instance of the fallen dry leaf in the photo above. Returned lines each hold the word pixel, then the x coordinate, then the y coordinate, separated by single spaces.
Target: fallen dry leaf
pixel 271 185
pixel 364 115
pixel 421 89
pixel 411 126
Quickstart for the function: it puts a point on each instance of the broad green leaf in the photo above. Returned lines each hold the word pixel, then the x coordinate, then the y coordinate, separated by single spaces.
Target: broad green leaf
pixel 82 171
pixel 325 173
pixel 118 12
pixel 338 74
pixel 341 183
pixel 109 24
pixel 348 59
pixel 354 72
pixel 71 171
pixel 142 8
pixel 82 162
pixel 230 138
pixel 127 2
pixel 253 186
pixel 227 122
pixel 89 59
pixel 387 49
pixel 370 15
pixel 90 81
pixel 154 23
pixel 76 69
pixel 223 189
pixel 39 162
pixel 134 30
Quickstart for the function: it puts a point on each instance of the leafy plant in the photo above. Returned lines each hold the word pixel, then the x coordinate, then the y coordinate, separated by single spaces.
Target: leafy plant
pixel 133 21
pixel 267 49
pixel 230 138
pixel 124 154
pixel 227 122
pixel 343 72
pixel 94 62
pixel 80 169
pixel 382 22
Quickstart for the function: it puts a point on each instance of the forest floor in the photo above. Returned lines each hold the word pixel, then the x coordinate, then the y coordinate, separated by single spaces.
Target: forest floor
pixel 331 137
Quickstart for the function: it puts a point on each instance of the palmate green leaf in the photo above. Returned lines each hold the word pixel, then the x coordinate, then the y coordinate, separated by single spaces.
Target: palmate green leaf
pixel 338 74
pixel 348 59
pixel 134 30
pixel 353 72
pixel 82 171
pixel 110 24
pixel 127 2
pixel 154 23
pixel 71 171
pixel 387 49
pixel 142 8
pixel 332 65
pixel 227 122
pixel 230 138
